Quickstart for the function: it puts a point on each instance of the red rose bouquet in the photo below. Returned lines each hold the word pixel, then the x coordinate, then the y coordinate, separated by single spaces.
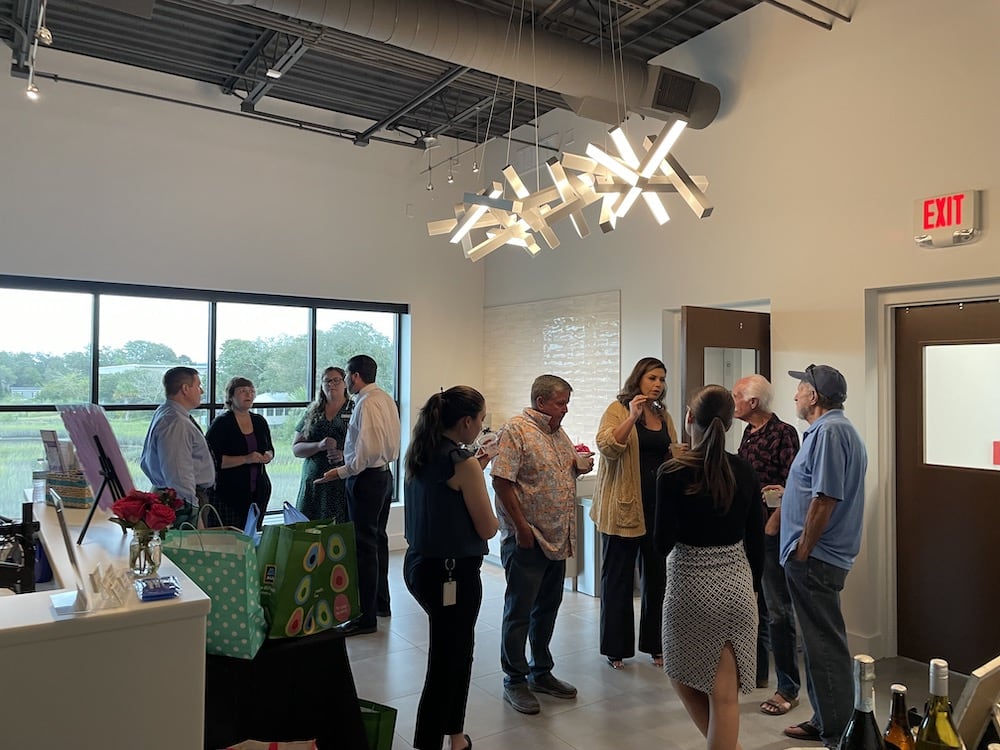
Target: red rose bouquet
pixel 147 511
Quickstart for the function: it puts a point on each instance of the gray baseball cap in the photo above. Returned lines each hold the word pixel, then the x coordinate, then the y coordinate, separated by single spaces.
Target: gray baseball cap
pixel 827 381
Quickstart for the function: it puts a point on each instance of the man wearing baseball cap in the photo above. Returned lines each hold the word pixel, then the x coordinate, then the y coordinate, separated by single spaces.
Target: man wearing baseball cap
pixel 821 517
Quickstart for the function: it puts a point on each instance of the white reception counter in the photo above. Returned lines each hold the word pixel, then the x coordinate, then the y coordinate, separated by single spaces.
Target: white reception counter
pixel 131 677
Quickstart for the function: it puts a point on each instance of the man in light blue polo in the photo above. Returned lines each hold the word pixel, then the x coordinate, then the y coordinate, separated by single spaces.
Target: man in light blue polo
pixel 821 518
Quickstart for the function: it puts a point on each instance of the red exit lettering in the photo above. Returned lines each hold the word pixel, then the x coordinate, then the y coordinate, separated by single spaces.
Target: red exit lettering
pixel 945 211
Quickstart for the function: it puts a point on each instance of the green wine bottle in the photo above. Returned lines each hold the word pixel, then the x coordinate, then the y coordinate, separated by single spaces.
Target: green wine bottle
pixel 862 732
pixel 937 730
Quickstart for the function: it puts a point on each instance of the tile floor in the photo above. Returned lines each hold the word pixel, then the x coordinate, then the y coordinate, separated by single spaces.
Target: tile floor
pixel 632 708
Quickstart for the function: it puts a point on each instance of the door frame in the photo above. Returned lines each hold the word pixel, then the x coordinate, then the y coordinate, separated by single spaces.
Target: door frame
pixel 880 433
pixel 672 335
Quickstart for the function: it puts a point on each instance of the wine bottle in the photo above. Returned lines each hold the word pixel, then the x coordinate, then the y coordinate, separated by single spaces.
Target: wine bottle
pixel 937 730
pixel 862 732
pixel 897 732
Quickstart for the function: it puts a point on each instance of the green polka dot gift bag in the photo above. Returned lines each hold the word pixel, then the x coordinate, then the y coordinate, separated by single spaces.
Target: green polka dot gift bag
pixel 224 565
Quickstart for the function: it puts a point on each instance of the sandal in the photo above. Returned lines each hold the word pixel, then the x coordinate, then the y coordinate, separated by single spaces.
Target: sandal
pixel 803 731
pixel 658 660
pixel 779 705
pixel 615 663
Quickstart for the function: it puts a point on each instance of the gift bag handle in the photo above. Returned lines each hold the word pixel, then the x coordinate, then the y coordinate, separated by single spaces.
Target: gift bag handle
pixel 203 511
pixel 188 526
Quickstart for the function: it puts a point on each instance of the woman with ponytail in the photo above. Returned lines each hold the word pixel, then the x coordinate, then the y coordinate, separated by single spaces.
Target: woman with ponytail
pixel 709 524
pixel 448 520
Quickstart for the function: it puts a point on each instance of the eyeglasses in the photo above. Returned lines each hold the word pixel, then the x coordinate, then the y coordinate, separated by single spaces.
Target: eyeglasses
pixel 332 381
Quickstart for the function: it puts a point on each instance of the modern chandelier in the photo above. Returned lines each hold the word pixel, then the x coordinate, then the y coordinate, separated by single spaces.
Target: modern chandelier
pixel 487 220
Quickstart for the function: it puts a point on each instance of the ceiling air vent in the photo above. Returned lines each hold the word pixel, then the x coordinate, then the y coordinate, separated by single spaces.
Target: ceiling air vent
pixel 674 92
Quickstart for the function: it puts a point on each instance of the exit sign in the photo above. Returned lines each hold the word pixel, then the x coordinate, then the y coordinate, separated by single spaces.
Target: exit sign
pixel 947 220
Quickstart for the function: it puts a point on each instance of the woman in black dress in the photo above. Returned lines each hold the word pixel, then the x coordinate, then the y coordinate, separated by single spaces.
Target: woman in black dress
pixel 710 524
pixel 448 520
pixel 241 448
pixel 319 439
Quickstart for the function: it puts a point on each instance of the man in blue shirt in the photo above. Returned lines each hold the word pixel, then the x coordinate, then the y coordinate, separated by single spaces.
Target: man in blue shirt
pixel 821 518
pixel 175 453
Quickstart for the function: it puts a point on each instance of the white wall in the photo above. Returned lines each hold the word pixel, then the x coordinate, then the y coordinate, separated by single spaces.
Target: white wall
pixel 824 141
pixel 102 185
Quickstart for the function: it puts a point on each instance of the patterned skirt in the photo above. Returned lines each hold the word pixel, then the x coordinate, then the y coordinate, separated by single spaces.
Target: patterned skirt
pixel 709 601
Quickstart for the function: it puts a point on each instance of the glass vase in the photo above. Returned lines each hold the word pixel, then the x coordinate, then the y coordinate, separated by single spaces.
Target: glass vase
pixel 144 553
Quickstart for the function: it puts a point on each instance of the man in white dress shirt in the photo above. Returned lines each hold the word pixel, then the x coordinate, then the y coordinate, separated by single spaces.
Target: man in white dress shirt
pixel 371 446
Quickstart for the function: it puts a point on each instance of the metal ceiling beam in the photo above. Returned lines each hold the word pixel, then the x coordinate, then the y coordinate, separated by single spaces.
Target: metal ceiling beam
pixel 282 66
pixel 21 15
pixel 828 25
pixel 387 122
pixel 248 59
pixel 462 116
pixel 656 29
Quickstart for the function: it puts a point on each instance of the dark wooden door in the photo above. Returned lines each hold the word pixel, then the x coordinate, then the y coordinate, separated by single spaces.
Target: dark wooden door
pixel 705 328
pixel 947 514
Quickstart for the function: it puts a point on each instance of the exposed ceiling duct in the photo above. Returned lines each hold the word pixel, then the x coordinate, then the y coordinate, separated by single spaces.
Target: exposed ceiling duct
pixel 587 79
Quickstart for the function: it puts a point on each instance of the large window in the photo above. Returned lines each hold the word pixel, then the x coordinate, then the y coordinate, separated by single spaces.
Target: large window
pixel 110 344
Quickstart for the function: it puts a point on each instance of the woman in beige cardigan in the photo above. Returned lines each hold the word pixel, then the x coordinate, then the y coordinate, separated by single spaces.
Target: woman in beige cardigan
pixel 634 439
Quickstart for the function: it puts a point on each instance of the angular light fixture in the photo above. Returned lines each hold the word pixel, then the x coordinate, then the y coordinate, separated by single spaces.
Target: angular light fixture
pixel 577 182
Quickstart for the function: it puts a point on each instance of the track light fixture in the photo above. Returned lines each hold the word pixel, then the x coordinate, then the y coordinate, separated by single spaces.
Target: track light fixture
pixel 44 36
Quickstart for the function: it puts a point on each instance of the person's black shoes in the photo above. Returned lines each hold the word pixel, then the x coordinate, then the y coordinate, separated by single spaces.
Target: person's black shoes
pixel 547 683
pixel 520 697
pixel 350 630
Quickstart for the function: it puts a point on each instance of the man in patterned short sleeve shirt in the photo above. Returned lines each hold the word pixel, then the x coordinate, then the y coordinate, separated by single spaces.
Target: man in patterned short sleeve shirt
pixel 534 475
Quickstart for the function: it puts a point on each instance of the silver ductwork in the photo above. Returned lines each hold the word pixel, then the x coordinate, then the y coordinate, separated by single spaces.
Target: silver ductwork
pixel 461 35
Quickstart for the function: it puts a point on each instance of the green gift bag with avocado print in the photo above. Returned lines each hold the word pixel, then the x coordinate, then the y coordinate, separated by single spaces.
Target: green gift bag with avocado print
pixel 309 577
pixel 224 565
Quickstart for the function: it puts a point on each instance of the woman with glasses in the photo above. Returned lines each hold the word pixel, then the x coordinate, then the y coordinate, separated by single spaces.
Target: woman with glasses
pixel 241 448
pixel 634 439
pixel 319 439
pixel 710 525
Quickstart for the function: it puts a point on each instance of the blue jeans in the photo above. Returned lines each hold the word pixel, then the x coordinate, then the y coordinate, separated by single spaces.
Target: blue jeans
pixel 815 587
pixel 780 624
pixel 531 603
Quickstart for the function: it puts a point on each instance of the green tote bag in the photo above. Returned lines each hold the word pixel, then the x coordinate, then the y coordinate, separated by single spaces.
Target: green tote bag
pixel 309 577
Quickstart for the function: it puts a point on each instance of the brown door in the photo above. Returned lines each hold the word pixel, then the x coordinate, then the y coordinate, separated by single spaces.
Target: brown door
pixel 706 330
pixel 947 514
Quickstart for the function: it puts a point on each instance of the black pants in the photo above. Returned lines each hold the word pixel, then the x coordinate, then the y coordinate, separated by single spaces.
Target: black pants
pixel 617 573
pixel 452 640
pixel 382 603
pixel 368 496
